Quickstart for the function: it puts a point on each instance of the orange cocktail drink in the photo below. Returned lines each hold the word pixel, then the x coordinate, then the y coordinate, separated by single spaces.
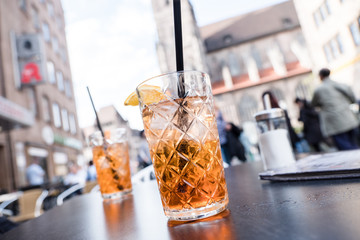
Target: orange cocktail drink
pixel 184 144
pixel 111 159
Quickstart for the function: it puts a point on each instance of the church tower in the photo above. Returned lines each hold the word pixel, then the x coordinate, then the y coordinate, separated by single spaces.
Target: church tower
pixel 194 51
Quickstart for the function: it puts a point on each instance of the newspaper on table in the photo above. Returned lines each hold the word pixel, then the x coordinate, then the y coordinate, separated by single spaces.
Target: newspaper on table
pixel 336 165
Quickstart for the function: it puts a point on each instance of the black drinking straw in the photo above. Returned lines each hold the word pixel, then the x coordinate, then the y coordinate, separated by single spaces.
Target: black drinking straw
pixel 97 118
pixel 179 46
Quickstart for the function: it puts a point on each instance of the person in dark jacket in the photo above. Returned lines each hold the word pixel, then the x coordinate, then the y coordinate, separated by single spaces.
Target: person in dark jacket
pixel 310 119
pixel 223 127
pixel 236 148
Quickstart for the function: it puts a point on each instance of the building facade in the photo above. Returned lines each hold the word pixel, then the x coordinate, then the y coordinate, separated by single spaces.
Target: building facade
pixel 331 30
pixel 256 52
pixel 247 55
pixel 35 75
pixel 194 51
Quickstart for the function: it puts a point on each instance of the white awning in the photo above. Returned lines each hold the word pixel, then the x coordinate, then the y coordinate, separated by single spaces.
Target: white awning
pixel 37 152
pixel 15 113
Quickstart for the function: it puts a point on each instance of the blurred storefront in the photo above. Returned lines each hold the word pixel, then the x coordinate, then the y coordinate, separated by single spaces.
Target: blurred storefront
pixel 37 106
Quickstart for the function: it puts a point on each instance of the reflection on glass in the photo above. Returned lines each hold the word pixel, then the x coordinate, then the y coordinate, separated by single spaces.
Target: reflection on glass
pixel 117 209
pixel 217 227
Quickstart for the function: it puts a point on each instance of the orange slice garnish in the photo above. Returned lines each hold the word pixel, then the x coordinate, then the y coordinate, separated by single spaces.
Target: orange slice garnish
pixel 149 94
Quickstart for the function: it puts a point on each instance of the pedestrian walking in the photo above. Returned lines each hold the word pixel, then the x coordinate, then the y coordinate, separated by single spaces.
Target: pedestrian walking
pixel 35 174
pixel 223 127
pixel 336 118
pixel 236 148
pixel 311 124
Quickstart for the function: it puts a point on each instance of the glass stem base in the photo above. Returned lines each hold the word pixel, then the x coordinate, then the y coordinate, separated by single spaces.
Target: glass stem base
pixel 198 213
pixel 116 194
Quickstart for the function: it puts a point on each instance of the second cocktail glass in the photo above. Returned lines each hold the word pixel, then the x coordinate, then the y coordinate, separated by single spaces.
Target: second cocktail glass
pixel 111 159
pixel 180 127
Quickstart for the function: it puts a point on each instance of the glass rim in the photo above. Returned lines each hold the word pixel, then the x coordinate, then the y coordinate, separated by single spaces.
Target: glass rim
pixel 95 134
pixel 268 114
pixel 98 133
pixel 170 73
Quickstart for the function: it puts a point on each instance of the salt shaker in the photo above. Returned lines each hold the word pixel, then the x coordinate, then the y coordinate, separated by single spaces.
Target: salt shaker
pixel 276 151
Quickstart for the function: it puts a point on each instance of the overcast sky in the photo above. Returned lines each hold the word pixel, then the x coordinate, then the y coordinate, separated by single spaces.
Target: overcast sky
pixel 111 47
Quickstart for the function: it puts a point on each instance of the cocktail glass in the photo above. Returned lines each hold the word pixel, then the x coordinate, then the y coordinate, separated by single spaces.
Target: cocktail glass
pixel 180 127
pixel 111 159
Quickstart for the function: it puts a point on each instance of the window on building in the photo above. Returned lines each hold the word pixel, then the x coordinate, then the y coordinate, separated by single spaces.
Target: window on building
pixel 226 75
pixel 303 90
pixel 68 91
pixel 65 119
pixel 339 43
pixel 32 101
pixel 355 31
pixel 286 22
pixel 248 106
pixel 278 94
pixel 51 72
pixel 58 22
pixel 60 80
pixel 56 115
pixel 256 55
pixel 328 54
pixel 46 109
pixel 227 39
pixel 317 18
pixel 35 18
pixel 55 44
pixel 322 13
pixel 234 64
pixel 46 32
pixel 215 70
pixel 50 8
pixel 334 48
pixel 63 54
pixel 328 7
pixel 22 4
pixel 72 123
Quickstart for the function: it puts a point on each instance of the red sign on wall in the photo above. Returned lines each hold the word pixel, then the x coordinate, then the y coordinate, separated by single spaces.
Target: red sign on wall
pixel 31 59
pixel 30 74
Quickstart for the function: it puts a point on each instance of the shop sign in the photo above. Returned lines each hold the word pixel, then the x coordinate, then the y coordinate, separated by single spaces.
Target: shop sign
pixel 15 113
pixel 38 152
pixel 30 58
pixel 30 74
pixel 68 141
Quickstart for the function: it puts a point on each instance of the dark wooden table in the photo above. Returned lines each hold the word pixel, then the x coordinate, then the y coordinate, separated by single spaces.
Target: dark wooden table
pixel 257 210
